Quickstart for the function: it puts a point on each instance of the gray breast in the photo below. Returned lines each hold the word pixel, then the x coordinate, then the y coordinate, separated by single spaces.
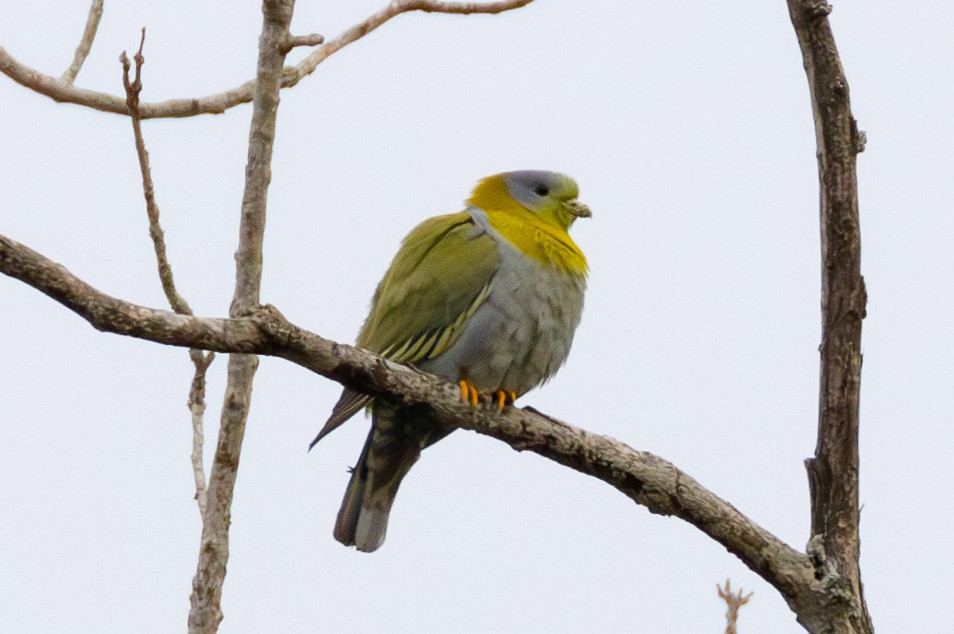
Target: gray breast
pixel 521 335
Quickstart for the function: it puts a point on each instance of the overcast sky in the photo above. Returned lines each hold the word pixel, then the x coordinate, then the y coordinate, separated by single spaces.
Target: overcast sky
pixel 689 130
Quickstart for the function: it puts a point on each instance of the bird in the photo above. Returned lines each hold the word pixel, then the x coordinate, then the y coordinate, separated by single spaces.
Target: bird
pixel 488 298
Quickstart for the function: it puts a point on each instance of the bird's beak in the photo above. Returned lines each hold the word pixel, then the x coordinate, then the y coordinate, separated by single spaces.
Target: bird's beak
pixel 577 208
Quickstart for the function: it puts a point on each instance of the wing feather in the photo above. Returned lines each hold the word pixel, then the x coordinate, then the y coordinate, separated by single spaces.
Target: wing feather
pixel 442 270
pixel 437 281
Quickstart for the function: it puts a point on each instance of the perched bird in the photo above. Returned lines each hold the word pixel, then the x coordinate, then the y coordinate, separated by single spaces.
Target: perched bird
pixel 488 298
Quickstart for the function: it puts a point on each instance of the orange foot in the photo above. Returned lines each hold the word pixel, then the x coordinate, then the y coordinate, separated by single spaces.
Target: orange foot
pixel 470 394
pixel 504 397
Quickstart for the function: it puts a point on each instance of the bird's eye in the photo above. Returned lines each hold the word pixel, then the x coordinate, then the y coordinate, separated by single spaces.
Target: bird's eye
pixel 541 190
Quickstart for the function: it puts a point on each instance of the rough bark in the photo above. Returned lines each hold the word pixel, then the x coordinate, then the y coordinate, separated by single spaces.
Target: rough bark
pixel 833 472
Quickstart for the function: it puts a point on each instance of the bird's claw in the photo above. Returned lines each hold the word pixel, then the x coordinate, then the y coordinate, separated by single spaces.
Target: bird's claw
pixel 501 398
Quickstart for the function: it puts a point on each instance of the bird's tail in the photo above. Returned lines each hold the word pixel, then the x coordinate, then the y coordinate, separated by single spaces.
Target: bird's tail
pixel 393 446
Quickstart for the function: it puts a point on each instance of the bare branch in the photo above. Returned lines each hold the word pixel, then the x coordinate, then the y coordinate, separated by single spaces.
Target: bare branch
pixel 86 43
pixel 201 361
pixel 648 480
pixel 733 601
pixel 60 91
pixel 833 472
pixel 435 6
pixel 372 22
pixel 197 408
pixel 133 88
pixel 206 613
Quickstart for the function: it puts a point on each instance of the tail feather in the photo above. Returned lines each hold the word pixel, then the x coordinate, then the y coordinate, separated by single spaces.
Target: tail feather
pixel 347 522
pixel 393 446
pixel 371 528
pixel 358 525
pixel 388 454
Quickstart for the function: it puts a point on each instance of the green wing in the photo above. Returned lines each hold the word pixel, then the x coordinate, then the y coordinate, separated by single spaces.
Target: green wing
pixel 438 279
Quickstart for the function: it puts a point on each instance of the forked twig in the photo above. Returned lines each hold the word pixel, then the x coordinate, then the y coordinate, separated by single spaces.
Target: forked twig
pixel 733 601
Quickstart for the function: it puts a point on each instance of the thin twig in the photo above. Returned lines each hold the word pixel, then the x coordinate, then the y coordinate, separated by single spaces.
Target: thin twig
pixel 733 601
pixel 196 402
pixel 197 407
pixel 133 88
pixel 86 43
pixel 220 102
pixel 392 10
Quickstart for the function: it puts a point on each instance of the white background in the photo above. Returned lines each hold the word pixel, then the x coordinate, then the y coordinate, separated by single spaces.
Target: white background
pixel 689 129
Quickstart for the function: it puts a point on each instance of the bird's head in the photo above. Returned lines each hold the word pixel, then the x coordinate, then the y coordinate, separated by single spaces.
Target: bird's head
pixel 548 195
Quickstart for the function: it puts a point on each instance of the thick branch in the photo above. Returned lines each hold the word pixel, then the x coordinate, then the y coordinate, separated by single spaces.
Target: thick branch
pixel 648 480
pixel 63 92
pixel 833 473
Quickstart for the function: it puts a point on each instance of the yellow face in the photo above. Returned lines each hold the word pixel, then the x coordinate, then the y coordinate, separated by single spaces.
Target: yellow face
pixel 533 211
pixel 550 195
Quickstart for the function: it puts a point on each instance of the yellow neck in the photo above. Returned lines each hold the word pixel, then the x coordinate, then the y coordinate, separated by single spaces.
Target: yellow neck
pixel 539 237
pixel 539 240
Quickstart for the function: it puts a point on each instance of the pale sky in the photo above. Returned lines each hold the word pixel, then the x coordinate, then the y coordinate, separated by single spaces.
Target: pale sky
pixel 689 130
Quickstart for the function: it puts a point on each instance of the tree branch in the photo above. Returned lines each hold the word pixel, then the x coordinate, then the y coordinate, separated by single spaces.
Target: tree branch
pixel 63 92
pixel 86 43
pixel 646 479
pixel 133 88
pixel 206 612
pixel 308 65
pixel 196 402
pixel 833 472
